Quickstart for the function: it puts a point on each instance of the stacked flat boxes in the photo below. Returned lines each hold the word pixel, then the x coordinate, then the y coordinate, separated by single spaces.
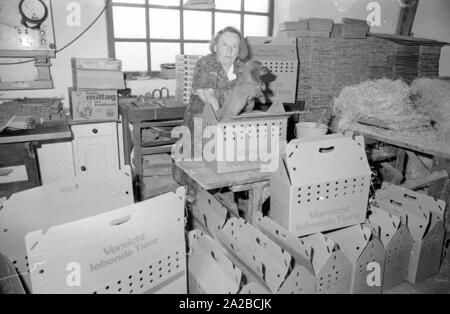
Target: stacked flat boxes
pixel 185 65
pixel 327 65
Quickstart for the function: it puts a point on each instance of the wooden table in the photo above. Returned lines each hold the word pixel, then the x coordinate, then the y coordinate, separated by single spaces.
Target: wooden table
pixel 19 148
pixel 197 174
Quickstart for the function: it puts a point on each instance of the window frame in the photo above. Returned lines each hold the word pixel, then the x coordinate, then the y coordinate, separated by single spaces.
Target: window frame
pixel 148 40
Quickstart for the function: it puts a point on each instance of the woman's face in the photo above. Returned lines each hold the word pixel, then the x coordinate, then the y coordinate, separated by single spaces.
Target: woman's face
pixel 227 48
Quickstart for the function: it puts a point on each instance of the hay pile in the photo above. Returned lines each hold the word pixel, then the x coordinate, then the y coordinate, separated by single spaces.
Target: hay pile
pixel 432 98
pixel 384 99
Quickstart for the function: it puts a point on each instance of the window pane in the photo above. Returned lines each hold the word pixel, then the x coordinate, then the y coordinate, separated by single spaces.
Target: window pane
pixel 129 22
pixel 133 56
pixel 197 25
pixel 228 5
pixel 129 1
pixel 164 24
pixel 165 2
pixel 227 19
pixel 163 53
pixel 196 49
pixel 255 25
pixel 257 6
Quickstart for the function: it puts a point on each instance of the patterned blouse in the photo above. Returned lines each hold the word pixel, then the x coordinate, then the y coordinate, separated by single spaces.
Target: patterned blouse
pixel 208 74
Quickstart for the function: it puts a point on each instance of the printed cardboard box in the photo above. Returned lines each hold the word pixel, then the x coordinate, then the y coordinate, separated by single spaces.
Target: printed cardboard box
pixel 361 248
pixel 332 268
pixel 239 140
pixel 396 240
pixel 94 104
pixel 425 220
pixel 321 184
pixel 135 249
pixel 269 263
pixel 210 271
pixel 301 254
pixel 58 203
pixel 279 55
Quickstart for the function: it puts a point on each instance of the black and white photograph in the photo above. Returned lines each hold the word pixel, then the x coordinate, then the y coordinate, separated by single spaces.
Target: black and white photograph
pixel 223 152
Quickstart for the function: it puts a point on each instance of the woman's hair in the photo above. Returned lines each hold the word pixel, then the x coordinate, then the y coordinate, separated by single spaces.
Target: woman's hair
pixel 243 47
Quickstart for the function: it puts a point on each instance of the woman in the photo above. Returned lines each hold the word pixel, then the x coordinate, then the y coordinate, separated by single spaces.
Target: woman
pixel 215 73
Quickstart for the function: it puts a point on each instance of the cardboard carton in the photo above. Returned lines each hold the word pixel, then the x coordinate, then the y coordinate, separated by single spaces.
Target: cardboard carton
pixel 321 184
pixel 240 141
pixel 361 248
pixel 279 55
pixel 396 240
pixel 332 268
pixel 425 221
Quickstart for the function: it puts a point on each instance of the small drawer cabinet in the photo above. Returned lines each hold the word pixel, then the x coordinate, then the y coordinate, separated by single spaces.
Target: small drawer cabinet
pixel 95 147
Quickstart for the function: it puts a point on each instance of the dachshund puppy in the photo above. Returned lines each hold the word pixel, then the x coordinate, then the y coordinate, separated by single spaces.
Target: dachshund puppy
pixel 248 87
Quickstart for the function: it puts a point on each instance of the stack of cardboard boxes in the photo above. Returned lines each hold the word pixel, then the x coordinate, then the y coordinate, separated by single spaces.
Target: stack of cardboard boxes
pixel 95 84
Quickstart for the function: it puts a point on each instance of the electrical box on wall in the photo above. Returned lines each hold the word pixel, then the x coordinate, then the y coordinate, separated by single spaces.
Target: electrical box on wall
pixel 26 29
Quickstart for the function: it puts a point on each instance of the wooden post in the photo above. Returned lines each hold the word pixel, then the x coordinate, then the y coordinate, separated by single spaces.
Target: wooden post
pixel 407 16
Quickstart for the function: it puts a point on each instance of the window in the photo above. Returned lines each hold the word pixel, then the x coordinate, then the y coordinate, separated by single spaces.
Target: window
pixel 146 33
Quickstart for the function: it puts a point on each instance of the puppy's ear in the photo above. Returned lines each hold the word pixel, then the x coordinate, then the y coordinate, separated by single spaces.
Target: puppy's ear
pixel 264 70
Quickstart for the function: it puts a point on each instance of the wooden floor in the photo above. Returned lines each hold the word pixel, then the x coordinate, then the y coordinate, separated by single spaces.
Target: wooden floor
pixel 439 284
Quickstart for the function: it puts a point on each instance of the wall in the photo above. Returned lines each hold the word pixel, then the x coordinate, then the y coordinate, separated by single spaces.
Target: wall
pixel 336 9
pixel 92 44
pixel 432 19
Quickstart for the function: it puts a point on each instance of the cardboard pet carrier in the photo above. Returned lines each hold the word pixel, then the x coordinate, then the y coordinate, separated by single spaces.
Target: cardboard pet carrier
pixel 362 248
pixel 130 250
pixel 425 221
pixel 332 268
pixel 89 73
pixel 269 264
pixel 295 246
pixel 321 184
pixel 396 240
pixel 210 271
pixel 58 203
pixel 279 55
pixel 244 142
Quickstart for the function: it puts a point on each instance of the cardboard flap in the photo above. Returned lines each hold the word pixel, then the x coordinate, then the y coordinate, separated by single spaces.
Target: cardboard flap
pixel 386 223
pixel 295 246
pixel 258 252
pixel 352 241
pixel 9 279
pixel 209 212
pixel 426 202
pixel 254 288
pixel 336 156
pixel 322 249
pixel 259 116
pixel 206 258
pixel 110 248
pixel 299 281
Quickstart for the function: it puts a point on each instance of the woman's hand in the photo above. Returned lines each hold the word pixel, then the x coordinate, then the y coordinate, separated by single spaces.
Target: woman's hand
pixel 208 97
